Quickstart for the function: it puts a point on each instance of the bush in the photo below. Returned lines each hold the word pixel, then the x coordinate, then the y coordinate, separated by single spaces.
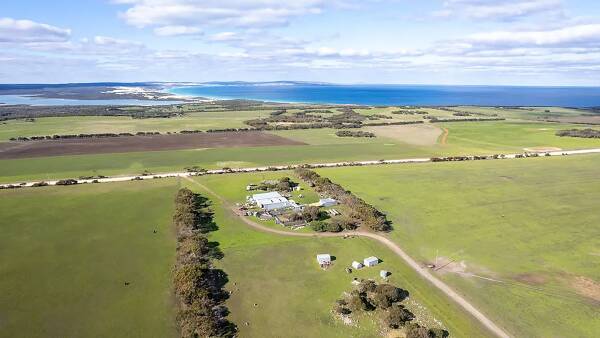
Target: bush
pixel 414 330
pixel 344 223
pixel 311 213
pixel 319 226
pixel 358 302
pixel 397 316
pixel 358 133
pixel 584 133
pixel 334 227
pixel 68 181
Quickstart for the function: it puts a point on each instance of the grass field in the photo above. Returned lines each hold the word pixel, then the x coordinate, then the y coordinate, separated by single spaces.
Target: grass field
pixel 294 296
pixel 67 252
pixel 530 225
pixel 463 138
pixel 122 124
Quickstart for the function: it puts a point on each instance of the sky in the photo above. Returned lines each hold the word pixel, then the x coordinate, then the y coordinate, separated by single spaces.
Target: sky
pixel 469 42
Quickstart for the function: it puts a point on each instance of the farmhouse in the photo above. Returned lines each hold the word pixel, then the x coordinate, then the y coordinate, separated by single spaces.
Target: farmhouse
pixel 371 261
pixel 271 201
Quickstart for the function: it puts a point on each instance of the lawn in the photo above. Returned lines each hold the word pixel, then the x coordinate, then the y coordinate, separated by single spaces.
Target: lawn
pixel 68 251
pixel 294 296
pixel 530 225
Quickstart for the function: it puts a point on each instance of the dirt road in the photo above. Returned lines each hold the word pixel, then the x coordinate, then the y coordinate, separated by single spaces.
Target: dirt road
pixel 423 272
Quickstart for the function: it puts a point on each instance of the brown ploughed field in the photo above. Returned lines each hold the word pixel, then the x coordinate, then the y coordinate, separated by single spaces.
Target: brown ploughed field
pixel 79 146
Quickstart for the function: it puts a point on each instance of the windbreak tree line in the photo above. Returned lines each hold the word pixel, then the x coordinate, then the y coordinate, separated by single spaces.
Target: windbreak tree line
pixel 360 211
pixel 198 286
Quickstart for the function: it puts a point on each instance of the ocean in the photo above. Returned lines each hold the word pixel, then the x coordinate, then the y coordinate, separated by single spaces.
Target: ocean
pixel 414 95
pixel 42 101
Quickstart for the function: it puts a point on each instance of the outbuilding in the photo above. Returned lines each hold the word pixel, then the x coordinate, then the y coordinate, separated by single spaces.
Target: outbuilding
pixel 327 202
pixel 324 259
pixel 371 261
pixel 383 273
pixel 357 265
pixel 271 201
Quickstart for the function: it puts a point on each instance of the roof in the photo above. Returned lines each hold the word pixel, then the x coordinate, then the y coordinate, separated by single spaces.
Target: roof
pixel 268 201
pixel 324 257
pixel 326 200
pixel 267 195
pixel 372 259
pixel 270 198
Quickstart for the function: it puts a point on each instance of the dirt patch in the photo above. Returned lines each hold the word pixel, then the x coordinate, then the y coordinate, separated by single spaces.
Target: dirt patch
pixel 417 134
pixel 13 150
pixel 531 278
pixel 586 287
pixel 445 264
pixel 542 149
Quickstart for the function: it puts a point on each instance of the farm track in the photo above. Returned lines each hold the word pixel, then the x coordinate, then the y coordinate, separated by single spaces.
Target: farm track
pixel 444 137
pixel 424 273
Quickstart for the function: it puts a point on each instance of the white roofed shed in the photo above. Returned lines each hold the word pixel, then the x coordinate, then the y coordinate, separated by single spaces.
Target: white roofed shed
pixel 271 201
pixel 324 259
pixel 357 265
pixel 371 261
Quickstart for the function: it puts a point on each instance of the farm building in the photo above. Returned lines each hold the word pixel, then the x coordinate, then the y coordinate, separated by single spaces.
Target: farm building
pixel 271 201
pixel 324 259
pixel 357 265
pixel 327 202
pixel 383 273
pixel 371 261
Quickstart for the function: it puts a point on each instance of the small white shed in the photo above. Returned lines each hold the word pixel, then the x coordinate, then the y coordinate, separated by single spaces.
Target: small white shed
pixel 371 261
pixel 327 202
pixel 357 265
pixel 383 273
pixel 324 259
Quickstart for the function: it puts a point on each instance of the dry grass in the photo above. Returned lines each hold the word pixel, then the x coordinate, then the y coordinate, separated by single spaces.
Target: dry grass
pixel 422 134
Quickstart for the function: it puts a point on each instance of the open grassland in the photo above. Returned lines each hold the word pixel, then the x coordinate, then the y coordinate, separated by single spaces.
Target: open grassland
pixel 122 124
pixel 165 161
pixel 67 252
pixel 463 138
pixel 504 136
pixel 520 238
pixel 294 296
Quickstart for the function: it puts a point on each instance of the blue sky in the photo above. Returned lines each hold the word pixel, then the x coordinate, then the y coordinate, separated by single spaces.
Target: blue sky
pixel 510 42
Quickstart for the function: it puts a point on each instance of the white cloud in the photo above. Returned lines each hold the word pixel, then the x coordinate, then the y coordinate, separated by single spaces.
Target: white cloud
pixel 574 36
pixel 498 9
pixel 177 30
pixel 200 13
pixel 24 31
pixel 225 37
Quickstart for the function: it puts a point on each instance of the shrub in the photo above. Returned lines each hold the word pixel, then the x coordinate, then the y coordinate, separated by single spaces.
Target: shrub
pixel 344 223
pixel 68 181
pixel 358 133
pixel 311 213
pixel 334 227
pixel 397 316
pixel 358 302
pixel 319 226
pixel 584 133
